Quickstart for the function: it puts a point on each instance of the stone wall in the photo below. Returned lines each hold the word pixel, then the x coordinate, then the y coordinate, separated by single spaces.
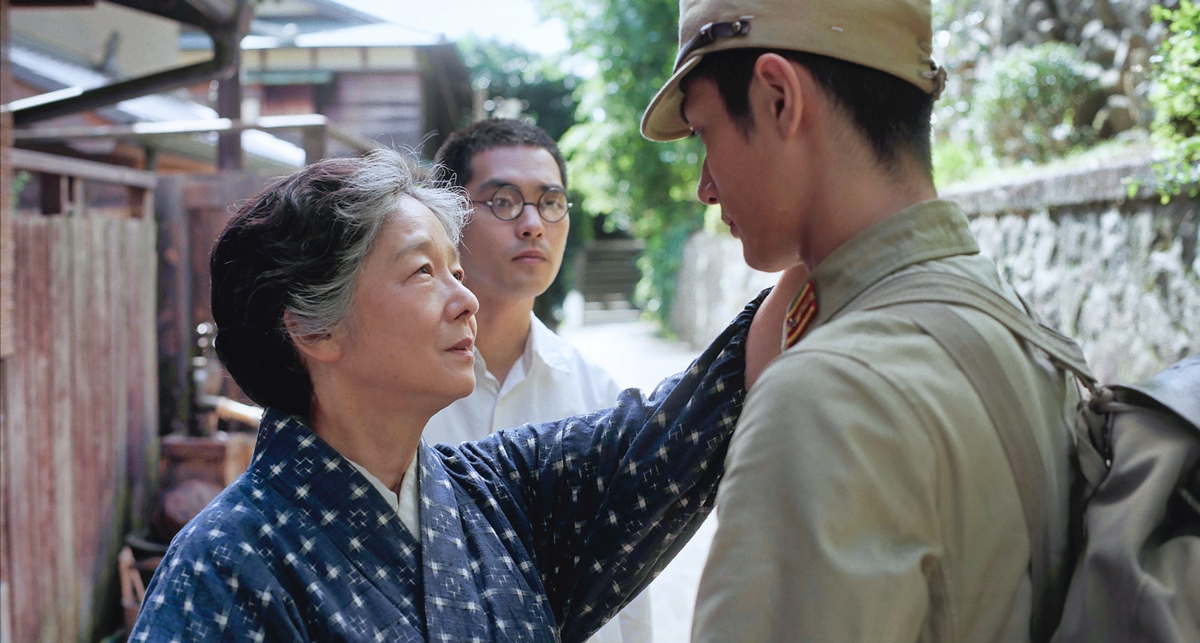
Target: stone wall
pixel 714 285
pixel 1120 274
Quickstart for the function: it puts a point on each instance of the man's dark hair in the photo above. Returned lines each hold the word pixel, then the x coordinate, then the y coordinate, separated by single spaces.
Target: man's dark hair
pixel 460 148
pixel 892 113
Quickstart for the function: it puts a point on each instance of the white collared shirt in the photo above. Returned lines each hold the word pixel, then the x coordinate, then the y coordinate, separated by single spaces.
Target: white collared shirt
pixel 551 380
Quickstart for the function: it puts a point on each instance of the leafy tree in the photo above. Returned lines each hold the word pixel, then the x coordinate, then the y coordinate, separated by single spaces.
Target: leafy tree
pixel 544 94
pixel 503 71
pixel 647 188
pixel 1028 103
pixel 1176 99
pixel 961 42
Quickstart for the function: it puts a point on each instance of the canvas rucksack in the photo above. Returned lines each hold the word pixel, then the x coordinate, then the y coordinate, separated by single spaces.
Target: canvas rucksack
pixel 1137 508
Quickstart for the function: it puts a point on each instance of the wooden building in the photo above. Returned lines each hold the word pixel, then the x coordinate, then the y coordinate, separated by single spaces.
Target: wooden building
pixel 388 83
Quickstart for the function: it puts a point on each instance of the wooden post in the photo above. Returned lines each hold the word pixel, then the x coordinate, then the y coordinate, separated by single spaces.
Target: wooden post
pixel 174 310
pixel 53 194
pixel 314 144
pixel 141 206
pixel 229 105
pixel 7 320
pixel 7 249
pixel 78 204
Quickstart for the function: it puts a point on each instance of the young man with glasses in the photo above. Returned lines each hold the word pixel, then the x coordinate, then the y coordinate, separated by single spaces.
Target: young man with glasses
pixel 511 252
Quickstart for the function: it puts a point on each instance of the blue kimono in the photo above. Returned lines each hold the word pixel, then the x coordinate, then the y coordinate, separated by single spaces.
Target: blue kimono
pixel 537 533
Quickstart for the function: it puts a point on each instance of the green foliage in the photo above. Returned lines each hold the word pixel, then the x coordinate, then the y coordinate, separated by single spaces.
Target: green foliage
pixel 961 41
pixel 957 160
pixel 1026 105
pixel 20 178
pixel 1176 100
pixel 545 95
pixel 503 71
pixel 647 188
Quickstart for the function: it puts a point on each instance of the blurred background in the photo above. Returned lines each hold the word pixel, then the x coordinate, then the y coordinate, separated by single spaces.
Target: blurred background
pixel 1069 132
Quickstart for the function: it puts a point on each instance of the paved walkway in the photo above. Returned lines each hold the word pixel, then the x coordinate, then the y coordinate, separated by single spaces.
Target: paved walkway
pixel 636 357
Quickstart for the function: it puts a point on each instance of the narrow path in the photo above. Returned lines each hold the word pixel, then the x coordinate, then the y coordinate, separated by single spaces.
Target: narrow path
pixel 636 357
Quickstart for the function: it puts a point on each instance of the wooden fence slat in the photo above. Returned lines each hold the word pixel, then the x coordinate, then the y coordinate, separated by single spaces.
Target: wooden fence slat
pixel 27 589
pixel 53 346
pixel 121 245
pixel 38 585
pixel 93 377
pixel 63 307
pixel 89 324
pixel 142 394
pixel 110 491
pixel 80 419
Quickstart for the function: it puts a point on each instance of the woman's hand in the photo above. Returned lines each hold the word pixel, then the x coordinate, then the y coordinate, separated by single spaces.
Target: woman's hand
pixel 765 338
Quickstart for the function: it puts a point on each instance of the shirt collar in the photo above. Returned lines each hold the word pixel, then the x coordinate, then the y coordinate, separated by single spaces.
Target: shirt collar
pixel 929 230
pixel 547 347
pixel 541 345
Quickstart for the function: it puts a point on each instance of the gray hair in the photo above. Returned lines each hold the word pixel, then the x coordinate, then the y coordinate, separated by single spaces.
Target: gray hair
pixel 369 195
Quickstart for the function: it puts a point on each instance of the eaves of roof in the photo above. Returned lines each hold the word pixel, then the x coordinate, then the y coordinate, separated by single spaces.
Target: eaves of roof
pixel 41 69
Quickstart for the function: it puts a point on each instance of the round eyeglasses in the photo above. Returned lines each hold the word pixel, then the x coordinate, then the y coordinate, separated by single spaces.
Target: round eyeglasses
pixel 507 202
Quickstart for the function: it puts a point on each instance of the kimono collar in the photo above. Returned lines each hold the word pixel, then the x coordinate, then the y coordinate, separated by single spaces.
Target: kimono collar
pixel 313 478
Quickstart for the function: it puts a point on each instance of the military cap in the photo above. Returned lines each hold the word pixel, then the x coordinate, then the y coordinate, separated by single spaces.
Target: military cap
pixel 893 36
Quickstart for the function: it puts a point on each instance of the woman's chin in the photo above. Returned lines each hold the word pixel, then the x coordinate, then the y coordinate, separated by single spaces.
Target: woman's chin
pixel 462 389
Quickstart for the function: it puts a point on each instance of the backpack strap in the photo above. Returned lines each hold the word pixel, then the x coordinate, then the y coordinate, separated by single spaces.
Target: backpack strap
pixel 922 297
pixel 927 286
pixel 1089 434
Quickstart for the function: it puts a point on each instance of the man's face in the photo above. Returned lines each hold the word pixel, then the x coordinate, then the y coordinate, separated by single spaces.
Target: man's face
pixel 518 259
pixel 740 173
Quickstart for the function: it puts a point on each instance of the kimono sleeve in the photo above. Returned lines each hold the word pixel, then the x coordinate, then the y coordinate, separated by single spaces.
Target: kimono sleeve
pixel 610 497
pixel 209 588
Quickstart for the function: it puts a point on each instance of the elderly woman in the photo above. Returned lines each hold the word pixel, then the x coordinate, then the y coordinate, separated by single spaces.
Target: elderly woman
pixel 340 307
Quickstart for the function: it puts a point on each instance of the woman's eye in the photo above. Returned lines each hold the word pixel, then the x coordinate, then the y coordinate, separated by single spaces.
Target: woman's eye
pixel 458 274
pixel 425 270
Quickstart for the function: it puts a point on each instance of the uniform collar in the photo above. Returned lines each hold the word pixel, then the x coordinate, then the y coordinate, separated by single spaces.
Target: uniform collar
pixel 929 230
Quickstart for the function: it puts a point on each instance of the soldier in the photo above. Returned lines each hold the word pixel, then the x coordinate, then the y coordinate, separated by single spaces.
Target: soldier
pixel 867 496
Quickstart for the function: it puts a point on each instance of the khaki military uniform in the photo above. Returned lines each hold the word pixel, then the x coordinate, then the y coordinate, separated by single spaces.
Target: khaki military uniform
pixel 867 496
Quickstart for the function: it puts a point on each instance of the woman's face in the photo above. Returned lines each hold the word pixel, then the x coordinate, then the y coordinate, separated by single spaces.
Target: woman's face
pixel 411 331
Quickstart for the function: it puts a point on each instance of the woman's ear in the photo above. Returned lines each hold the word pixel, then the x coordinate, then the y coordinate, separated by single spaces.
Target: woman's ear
pixel 777 94
pixel 322 348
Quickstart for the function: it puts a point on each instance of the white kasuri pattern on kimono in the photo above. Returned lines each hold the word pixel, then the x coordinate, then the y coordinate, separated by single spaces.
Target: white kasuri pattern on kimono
pixel 536 533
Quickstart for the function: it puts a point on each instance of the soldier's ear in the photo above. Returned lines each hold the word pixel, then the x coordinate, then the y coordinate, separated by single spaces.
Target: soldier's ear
pixel 778 95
